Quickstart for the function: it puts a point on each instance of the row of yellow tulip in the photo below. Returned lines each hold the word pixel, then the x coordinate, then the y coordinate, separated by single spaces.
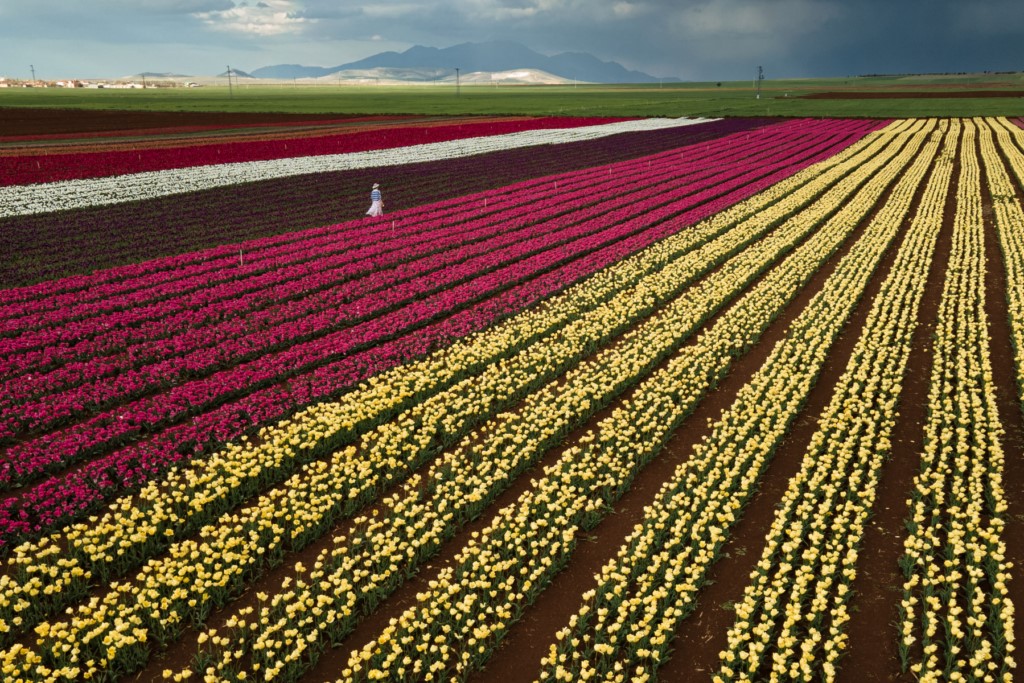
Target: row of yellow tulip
pixel 359 571
pixel 468 608
pixel 200 574
pixel 1009 222
pixel 44 577
pixel 956 619
pixel 626 623
pixel 1009 216
pixel 790 623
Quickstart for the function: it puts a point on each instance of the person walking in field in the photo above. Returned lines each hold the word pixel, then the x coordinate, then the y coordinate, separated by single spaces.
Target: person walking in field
pixel 376 202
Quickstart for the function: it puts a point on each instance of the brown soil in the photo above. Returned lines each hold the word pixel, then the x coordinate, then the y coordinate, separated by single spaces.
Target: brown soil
pixel 521 650
pixel 520 653
pixel 910 94
pixel 180 653
pixel 333 660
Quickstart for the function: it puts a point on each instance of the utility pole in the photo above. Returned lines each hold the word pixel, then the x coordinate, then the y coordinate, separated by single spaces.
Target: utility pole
pixel 231 93
pixel 456 81
pixel 760 77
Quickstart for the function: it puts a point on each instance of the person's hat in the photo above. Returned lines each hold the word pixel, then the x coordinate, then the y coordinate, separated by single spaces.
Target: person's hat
pixel 375 186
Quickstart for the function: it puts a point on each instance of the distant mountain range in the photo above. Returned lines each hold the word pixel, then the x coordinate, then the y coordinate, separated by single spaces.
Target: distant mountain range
pixel 431 63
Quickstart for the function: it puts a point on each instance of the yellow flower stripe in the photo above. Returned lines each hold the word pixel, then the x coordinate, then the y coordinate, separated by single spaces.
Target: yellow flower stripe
pixel 469 606
pixel 199 574
pixel 45 577
pixel 791 620
pixel 364 568
pixel 1010 224
pixel 390 542
pixel 627 621
pixel 957 622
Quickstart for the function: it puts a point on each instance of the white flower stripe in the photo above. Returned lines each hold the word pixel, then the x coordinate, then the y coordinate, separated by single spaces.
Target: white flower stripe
pixel 72 194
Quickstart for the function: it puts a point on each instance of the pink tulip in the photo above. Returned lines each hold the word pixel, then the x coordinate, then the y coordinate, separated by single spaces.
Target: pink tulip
pixel 311 318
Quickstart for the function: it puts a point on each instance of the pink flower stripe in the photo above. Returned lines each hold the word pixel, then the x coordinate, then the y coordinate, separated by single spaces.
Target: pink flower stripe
pixel 171 276
pixel 71 143
pixel 126 295
pixel 23 170
pixel 119 329
pixel 121 421
pixel 259 331
pixel 207 127
pixel 103 285
pixel 72 289
pixel 517 285
pixel 107 285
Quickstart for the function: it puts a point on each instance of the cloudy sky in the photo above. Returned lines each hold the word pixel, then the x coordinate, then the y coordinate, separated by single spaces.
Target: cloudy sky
pixel 689 39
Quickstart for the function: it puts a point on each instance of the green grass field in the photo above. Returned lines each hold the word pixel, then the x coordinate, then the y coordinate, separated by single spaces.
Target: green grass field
pixel 778 98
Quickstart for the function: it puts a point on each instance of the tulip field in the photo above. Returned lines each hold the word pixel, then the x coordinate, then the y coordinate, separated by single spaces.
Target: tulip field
pixel 607 399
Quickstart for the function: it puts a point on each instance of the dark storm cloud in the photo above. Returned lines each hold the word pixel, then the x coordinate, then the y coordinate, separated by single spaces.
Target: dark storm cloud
pixel 692 39
pixel 916 37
